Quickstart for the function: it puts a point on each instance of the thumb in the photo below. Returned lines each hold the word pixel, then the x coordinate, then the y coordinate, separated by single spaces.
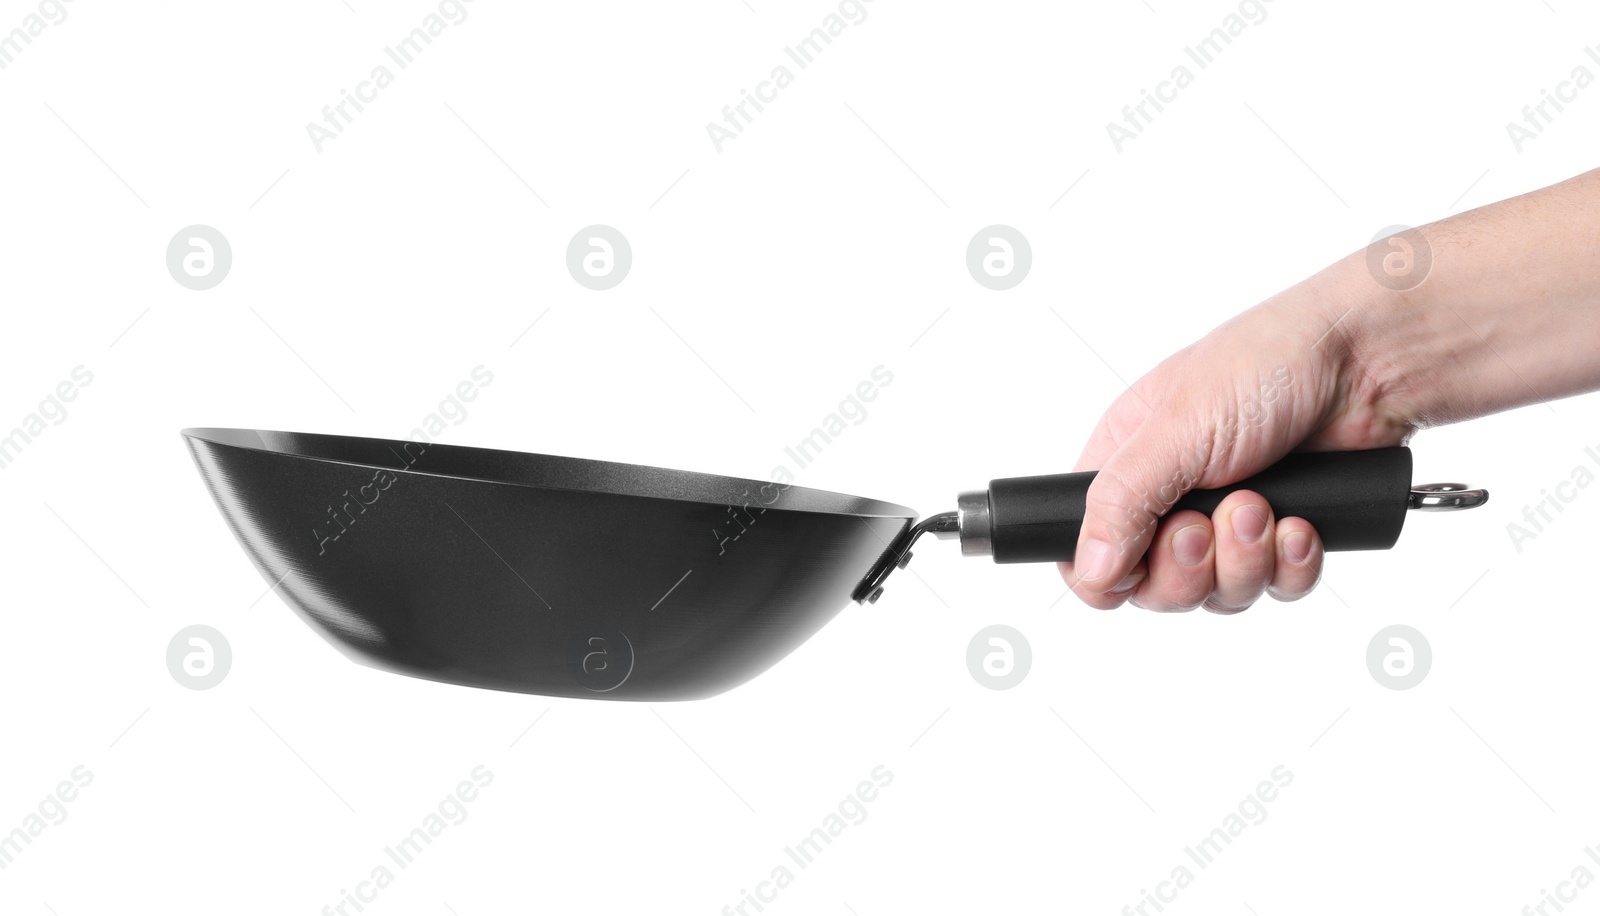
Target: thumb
pixel 1135 487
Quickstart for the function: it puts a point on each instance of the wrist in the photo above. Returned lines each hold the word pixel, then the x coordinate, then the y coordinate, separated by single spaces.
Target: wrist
pixel 1363 340
pixel 1379 339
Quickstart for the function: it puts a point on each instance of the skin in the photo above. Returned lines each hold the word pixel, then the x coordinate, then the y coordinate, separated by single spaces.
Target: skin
pixel 1508 315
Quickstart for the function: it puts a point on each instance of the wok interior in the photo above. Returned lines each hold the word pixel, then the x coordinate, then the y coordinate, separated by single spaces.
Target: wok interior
pixel 552 471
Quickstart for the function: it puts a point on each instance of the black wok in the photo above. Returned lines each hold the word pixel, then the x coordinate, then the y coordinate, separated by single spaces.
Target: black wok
pixel 579 578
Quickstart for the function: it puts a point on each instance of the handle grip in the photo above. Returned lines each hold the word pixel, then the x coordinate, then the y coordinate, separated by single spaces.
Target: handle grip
pixel 1355 500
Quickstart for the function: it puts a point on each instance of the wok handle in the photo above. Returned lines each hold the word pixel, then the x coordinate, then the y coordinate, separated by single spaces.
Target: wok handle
pixel 1355 500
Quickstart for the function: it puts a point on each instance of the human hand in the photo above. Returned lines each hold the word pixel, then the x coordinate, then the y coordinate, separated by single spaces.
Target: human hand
pixel 1504 314
pixel 1268 382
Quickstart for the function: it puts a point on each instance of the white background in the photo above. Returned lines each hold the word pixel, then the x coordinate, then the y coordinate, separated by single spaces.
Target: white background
pixel 370 278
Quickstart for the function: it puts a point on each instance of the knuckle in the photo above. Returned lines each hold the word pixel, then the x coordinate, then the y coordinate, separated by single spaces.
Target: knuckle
pixel 1293 590
pixel 1134 506
pixel 1192 596
pixel 1101 600
pixel 1111 488
pixel 1121 504
pixel 1179 601
pixel 1217 605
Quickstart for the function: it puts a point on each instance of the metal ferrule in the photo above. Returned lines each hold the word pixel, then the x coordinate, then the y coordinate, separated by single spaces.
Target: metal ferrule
pixel 972 511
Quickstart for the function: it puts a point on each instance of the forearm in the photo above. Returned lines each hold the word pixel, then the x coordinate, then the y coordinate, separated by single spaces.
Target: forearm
pixel 1508 315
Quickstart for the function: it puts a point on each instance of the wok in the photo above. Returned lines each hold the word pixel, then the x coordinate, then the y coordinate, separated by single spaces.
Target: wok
pixel 580 578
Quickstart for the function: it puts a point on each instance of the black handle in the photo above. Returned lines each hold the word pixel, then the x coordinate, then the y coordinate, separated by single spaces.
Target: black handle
pixel 1355 500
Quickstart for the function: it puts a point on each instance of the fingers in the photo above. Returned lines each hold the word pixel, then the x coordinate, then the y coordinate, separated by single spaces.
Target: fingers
pixel 1224 563
pixel 1109 600
pixel 1182 564
pixel 1115 427
pixel 1246 551
pixel 1299 560
pixel 1135 487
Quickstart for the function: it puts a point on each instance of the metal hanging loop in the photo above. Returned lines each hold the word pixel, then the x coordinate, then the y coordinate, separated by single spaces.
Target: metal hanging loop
pixel 1445 497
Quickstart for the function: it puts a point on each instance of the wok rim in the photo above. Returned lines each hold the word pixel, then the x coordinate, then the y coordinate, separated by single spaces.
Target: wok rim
pixel 708 489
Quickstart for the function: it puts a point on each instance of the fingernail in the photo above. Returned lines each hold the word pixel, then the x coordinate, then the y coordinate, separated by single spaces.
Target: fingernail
pixel 1297 546
pixel 1128 583
pixel 1249 523
pixel 1094 560
pixel 1191 544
